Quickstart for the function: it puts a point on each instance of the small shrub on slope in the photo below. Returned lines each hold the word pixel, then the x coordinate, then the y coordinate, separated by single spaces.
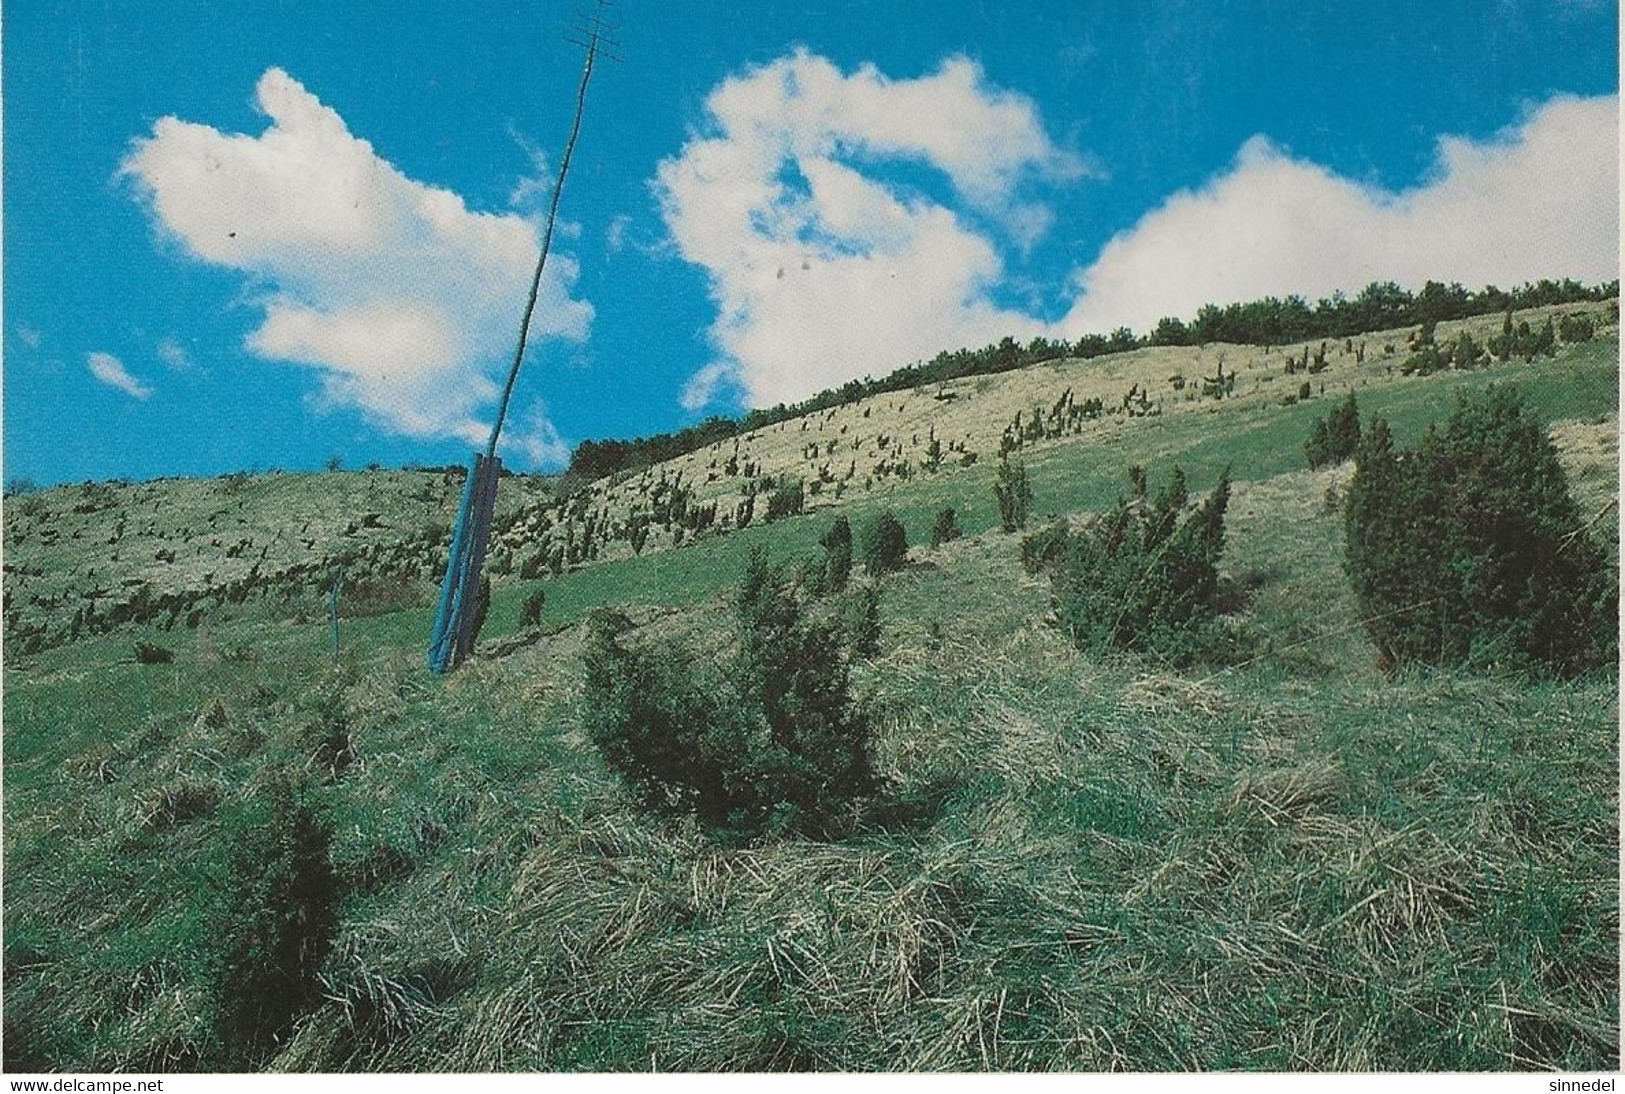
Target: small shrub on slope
pixel 807 742
pixel 654 728
pixel 1521 342
pixel 279 920
pixel 1044 548
pixel 777 745
pixel 1335 436
pixel 885 545
pixel 862 620
pixel 1576 328
pixel 837 544
pixel 530 614
pixel 1470 549
pixel 148 654
pixel 1142 579
pixel 787 500
pixel 1015 495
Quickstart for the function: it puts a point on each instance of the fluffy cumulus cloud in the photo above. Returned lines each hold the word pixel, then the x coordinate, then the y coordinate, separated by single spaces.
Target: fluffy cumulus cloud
pixel 1540 199
pixel 822 272
pixel 404 299
pixel 111 371
pixel 824 267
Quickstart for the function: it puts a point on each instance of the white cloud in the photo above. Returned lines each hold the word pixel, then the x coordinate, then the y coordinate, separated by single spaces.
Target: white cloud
pixel 702 387
pixel 615 234
pixel 1539 200
pixel 404 299
pixel 819 271
pixel 173 354
pixel 111 371
pixel 535 185
pixel 532 438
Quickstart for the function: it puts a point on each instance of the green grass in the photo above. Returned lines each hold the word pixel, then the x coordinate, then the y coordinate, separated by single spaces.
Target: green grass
pixel 1294 863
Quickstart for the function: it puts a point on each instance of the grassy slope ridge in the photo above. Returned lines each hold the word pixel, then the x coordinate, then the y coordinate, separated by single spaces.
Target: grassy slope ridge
pixel 185 545
pixel 1298 863
pixel 170 548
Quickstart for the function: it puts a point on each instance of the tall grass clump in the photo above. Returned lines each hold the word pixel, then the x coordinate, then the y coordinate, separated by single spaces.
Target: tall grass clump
pixel 776 743
pixel 1469 548
pixel 1140 578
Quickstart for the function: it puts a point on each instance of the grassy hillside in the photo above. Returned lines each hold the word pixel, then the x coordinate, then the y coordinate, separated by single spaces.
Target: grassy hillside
pixel 1293 863
pixel 83 560
pixel 92 559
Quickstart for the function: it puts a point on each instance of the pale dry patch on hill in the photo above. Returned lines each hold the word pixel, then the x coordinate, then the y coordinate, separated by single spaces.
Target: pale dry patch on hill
pixel 871 447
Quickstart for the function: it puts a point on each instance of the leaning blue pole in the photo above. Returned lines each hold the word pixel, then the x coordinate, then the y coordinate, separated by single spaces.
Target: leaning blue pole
pixel 452 637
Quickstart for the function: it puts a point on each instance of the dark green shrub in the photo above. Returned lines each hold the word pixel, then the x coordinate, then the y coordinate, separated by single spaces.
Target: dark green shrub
pixel 1015 494
pixel 275 927
pixel 1501 345
pixel 837 544
pixel 807 754
pixel 787 500
pixel 1137 482
pixel 1427 360
pixel 885 545
pixel 1335 436
pixel 653 726
pixel 1469 549
pixel 1142 579
pixel 945 528
pixel 530 614
pixel 1521 342
pixel 863 620
pixel 812 576
pixel 776 743
pixel 148 654
pixel 1576 328
pixel 1545 342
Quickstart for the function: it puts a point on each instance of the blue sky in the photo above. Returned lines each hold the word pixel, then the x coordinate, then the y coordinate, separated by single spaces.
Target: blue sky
pixel 254 234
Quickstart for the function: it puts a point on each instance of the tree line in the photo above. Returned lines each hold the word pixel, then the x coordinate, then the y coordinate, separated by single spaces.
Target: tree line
pixel 1267 322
